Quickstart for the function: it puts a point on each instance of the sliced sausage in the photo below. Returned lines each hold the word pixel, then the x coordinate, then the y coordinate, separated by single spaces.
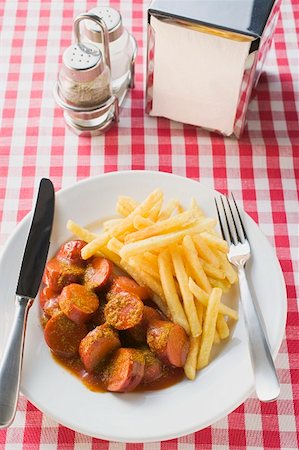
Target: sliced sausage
pixel 139 331
pixel 153 367
pixel 97 273
pixel 44 319
pixel 129 285
pixel 45 295
pixel 112 290
pixel 169 342
pixel 97 344
pixel 125 370
pixel 78 303
pixel 51 307
pixel 64 336
pixel 58 274
pixel 98 318
pixel 49 302
pixel 123 311
pixel 70 252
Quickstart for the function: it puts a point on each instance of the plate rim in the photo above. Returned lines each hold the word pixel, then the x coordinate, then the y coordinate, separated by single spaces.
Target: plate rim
pixel 241 398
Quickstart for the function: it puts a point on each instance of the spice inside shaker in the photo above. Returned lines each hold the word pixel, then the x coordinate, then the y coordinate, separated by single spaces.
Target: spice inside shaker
pixel 83 88
pixel 122 45
pixel 84 79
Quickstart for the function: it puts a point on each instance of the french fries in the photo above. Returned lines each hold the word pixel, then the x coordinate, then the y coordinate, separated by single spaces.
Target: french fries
pixel 111 223
pixel 143 209
pixel 195 208
pixel 222 284
pixel 222 327
pixel 209 328
pixel 203 298
pixel 164 226
pixel 178 255
pixel 175 307
pixel 200 312
pixel 114 245
pixel 227 268
pixel 215 241
pixel 190 365
pixel 155 211
pixel 152 259
pixel 216 337
pixel 95 245
pixel 144 279
pixel 169 209
pixel 162 240
pixel 194 264
pixel 141 222
pixel 204 251
pixel 146 266
pixel 212 271
pixel 125 205
pixel 187 295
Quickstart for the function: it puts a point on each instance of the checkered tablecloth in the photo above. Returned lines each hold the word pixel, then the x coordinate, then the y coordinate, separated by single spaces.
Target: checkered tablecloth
pixel 262 169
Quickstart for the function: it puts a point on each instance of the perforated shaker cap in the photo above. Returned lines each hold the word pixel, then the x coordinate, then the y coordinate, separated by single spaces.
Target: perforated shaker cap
pixel 83 62
pixel 112 19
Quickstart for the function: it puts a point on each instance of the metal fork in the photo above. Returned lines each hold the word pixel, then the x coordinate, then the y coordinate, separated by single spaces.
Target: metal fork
pixel 266 381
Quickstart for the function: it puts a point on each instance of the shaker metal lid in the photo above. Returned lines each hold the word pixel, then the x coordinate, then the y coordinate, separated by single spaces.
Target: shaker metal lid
pixel 112 19
pixel 83 62
pixel 247 17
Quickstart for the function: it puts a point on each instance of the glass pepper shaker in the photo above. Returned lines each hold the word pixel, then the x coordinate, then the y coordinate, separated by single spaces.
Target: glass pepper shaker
pixel 122 44
pixel 83 88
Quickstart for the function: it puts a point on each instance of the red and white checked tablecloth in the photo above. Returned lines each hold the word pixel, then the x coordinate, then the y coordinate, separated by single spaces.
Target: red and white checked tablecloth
pixel 262 169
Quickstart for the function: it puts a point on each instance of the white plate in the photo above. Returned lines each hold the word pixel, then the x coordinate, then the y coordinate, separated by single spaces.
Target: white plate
pixel 149 416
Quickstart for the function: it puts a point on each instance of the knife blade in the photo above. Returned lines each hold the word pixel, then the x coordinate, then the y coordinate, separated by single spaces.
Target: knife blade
pixel 32 268
pixel 38 241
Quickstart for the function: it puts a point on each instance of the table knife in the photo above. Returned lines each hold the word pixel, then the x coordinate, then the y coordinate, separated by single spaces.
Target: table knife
pixel 32 268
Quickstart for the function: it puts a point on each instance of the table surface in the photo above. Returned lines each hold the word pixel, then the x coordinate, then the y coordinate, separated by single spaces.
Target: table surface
pixel 262 169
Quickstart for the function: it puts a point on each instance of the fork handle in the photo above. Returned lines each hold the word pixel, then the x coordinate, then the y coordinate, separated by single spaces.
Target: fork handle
pixel 266 381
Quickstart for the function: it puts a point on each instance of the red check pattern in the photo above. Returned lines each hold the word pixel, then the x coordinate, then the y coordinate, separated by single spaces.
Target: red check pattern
pixel 262 169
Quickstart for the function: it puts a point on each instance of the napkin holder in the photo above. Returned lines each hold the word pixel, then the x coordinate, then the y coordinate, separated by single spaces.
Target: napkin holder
pixel 204 57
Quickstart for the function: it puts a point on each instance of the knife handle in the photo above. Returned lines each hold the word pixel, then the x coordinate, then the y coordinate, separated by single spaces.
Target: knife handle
pixel 11 363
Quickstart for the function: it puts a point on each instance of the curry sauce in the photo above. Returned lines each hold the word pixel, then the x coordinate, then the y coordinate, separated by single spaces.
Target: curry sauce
pixel 94 382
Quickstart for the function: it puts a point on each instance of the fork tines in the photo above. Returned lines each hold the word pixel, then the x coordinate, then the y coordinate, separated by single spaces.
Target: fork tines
pixel 230 221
